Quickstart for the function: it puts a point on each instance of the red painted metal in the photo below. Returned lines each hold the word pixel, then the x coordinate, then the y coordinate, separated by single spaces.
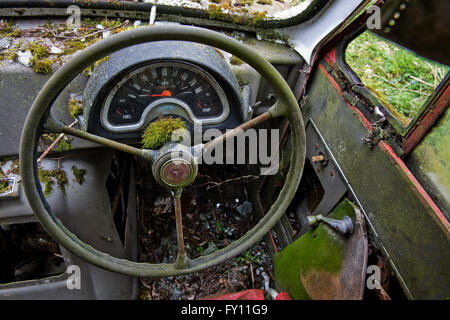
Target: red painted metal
pixel 426 122
pixel 355 110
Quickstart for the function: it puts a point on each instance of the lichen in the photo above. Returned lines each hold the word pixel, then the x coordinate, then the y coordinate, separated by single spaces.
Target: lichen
pixel 78 174
pixel 160 131
pixel 50 177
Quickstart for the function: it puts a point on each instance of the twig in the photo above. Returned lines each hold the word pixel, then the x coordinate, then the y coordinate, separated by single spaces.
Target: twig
pixel 253 278
pixel 421 81
pixel 217 184
pixel 57 140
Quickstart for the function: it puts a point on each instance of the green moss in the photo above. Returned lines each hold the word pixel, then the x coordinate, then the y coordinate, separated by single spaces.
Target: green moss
pixel 14 167
pixel 41 65
pixel 88 71
pixel 79 174
pixel 9 54
pixel 160 131
pixel 72 46
pixel 264 2
pixel 64 144
pixel 236 61
pixel 273 36
pixel 40 62
pixel 8 29
pixel 50 177
pixel 4 185
pixel 319 250
pixel 37 49
pixel 243 2
pixel 238 16
pixel 75 107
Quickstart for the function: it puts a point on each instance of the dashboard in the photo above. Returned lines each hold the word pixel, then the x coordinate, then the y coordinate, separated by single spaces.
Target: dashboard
pixel 139 84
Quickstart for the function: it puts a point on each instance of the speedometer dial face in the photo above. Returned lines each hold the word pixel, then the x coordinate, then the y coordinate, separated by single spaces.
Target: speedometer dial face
pixel 164 88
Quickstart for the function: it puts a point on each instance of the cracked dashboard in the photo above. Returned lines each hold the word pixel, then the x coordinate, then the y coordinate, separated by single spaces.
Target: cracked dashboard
pixel 139 84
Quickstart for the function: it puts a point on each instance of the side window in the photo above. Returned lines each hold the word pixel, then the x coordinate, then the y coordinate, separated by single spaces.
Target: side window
pixel 430 162
pixel 402 80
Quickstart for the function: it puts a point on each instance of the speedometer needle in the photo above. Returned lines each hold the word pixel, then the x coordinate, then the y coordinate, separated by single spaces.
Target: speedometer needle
pixel 165 93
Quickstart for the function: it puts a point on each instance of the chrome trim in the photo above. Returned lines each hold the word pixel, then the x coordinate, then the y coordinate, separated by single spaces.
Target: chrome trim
pixel 181 108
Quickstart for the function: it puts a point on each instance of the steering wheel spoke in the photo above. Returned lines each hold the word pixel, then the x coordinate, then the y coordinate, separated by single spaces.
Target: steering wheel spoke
pixel 144 153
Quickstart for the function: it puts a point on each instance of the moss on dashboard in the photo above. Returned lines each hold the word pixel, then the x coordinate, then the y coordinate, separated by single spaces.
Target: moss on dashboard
pixel 51 177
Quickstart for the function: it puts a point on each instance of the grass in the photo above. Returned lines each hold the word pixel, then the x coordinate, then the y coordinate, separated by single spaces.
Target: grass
pixel 402 80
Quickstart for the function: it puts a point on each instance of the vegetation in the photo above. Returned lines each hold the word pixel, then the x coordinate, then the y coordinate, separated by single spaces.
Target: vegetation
pixel 75 107
pixel 236 61
pixel 50 177
pixel 160 131
pixel 402 80
pixel 78 174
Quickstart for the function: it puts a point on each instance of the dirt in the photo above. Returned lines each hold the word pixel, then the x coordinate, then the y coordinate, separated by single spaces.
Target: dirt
pixel 211 220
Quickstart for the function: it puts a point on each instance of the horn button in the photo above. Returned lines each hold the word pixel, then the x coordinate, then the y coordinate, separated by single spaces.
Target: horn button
pixel 174 166
pixel 176 172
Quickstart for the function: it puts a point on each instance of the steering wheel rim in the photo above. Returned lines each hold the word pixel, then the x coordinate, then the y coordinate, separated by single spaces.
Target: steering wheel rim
pixel 287 106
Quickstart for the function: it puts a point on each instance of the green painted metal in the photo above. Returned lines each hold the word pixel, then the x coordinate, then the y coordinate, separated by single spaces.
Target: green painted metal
pixel 79 62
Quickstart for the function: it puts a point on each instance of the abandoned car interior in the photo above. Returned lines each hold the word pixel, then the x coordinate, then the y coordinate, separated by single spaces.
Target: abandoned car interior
pixel 224 149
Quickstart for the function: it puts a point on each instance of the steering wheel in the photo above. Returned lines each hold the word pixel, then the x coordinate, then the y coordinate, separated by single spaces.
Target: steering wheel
pixel 39 121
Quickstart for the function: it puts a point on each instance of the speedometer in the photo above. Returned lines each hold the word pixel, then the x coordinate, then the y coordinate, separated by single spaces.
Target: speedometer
pixel 164 88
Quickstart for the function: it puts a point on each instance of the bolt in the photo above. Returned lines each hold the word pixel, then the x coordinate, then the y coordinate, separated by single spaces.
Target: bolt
pixel 316 146
pixel 332 173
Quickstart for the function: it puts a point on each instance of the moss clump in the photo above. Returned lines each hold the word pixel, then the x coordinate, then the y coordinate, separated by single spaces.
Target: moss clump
pixel 14 167
pixel 42 65
pixel 8 29
pixel 269 2
pixel 40 62
pixel 240 3
pixel 38 50
pixel 238 16
pixel 274 36
pixel 4 185
pixel 75 107
pixel 9 54
pixel 88 71
pixel 50 177
pixel 72 46
pixel 236 61
pixel 160 131
pixel 63 145
pixel 78 174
